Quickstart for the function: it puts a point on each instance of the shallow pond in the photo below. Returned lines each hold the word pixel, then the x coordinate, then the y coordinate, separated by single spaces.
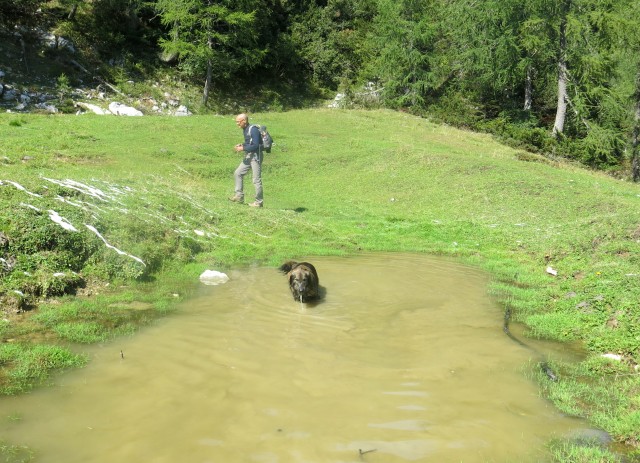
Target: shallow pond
pixel 403 360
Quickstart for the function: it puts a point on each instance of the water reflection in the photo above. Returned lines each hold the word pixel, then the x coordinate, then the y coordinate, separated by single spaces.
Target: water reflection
pixel 403 360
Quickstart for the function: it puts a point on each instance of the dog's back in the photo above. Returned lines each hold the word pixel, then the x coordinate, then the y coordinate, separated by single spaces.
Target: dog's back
pixel 287 266
pixel 292 264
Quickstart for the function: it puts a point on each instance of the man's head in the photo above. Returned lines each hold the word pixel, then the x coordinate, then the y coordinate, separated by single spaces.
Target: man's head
pixel 242 120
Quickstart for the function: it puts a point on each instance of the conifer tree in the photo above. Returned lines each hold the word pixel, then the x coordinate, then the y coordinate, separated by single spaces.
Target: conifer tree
pixel 212 39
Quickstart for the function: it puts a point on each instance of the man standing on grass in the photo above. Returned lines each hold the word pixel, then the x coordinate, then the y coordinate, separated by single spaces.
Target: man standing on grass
pixel 252 150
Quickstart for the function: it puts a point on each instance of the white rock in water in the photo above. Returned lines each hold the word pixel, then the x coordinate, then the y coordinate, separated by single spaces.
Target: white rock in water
pixel 213 277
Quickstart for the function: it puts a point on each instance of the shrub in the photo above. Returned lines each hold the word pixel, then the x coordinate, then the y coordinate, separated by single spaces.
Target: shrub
pixel 33 233
pixel 456 109
pixel 601 148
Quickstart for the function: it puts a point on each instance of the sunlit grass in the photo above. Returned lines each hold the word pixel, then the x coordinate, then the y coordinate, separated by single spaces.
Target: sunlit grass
pixel 587 452
pixel 31 364
pixel 336 183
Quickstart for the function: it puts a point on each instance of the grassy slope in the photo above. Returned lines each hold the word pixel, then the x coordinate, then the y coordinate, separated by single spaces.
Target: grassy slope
pixel 338 182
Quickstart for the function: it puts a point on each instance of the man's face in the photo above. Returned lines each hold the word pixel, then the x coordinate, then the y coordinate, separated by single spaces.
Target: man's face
pixel 240 122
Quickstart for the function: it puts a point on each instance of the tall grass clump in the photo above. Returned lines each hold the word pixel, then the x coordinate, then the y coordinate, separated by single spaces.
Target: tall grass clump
pixel 11 453
pixel 27 365
pixel 587 452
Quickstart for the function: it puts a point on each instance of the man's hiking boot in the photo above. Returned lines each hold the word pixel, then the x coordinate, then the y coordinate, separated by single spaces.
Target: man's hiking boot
pixel 255 204
pixel 236 199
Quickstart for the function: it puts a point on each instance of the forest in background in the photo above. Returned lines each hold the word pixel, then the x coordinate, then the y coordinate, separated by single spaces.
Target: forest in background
pixel 560 78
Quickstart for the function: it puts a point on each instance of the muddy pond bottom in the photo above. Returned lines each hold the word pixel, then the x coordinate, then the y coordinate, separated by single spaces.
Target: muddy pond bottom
pixel 403 360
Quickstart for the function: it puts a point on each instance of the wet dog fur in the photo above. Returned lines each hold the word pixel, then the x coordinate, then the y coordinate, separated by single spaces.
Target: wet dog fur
pixel 303 280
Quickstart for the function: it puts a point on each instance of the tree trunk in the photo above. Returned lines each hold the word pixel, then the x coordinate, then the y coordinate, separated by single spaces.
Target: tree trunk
pixel 72 12
pixel 207 84
pixel 133 22
pixel 528 89
pixel 635 148
pixel 561 111
pixel 23 45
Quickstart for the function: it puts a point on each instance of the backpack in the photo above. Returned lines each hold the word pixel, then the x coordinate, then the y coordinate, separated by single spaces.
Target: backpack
pixel 267 140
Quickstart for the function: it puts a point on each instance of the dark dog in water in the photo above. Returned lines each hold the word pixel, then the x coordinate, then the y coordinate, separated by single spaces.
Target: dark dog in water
pixel 303 280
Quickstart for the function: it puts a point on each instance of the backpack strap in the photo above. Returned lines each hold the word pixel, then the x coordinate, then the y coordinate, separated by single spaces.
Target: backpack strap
pixel 260 145
pixel 259 131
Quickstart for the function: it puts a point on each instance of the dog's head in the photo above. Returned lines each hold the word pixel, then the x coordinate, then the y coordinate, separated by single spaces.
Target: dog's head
pixel 301 279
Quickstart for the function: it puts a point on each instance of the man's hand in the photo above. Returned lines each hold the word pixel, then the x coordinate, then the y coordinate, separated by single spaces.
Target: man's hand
pixel 238 147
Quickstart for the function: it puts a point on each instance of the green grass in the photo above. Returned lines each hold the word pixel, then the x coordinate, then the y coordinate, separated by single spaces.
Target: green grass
pixel 566 452
pixel 30 365
pixel 336 183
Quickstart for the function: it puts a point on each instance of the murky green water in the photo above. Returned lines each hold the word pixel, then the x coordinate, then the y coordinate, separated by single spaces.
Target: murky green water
pixel 404 360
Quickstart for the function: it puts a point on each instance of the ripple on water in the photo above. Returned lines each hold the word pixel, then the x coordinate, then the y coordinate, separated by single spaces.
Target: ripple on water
pixel 403 359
